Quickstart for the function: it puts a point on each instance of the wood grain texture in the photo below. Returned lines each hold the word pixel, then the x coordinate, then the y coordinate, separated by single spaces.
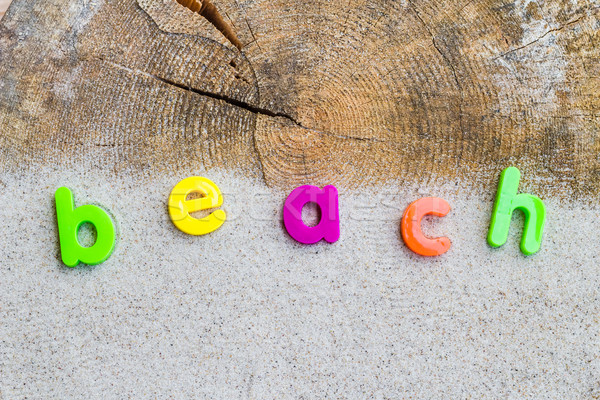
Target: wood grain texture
pixel 352 93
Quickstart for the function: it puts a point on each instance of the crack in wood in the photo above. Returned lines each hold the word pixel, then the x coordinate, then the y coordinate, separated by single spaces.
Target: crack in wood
pixel 210 12
pixel 450 65
pixel 257 110
pixel 560 28
pixel 237 103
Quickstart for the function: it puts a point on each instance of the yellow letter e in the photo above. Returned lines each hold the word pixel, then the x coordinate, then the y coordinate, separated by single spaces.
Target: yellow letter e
pixel 180 208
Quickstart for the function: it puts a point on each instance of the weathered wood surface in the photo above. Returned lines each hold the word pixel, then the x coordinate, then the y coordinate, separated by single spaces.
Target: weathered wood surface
pixel 346 92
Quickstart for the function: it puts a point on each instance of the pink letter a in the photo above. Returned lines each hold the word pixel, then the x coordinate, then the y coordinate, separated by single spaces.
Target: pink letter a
pixel 328 227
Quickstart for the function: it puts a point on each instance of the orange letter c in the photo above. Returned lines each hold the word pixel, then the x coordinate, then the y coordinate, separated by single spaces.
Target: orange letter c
pixel 411 226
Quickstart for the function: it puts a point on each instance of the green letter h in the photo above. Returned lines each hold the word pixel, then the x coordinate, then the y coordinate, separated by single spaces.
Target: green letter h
pixel 507 200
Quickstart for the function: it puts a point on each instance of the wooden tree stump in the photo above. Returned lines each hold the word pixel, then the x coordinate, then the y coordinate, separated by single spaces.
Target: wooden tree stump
pixel 350 93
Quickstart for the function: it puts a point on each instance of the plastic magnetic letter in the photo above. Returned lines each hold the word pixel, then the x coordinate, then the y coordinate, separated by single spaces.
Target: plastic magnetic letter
pixel 507 200
pixel 180 208
pixel 70 220
pixel 411 226
pixel 328 227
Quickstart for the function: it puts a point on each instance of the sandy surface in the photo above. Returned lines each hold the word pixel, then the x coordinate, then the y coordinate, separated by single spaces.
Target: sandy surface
pixel 248 313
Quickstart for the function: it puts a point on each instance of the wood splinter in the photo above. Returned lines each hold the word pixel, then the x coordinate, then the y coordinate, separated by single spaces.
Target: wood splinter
pixel 209 11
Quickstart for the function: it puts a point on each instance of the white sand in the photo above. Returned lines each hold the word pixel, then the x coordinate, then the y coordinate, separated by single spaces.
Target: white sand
pixel 247 313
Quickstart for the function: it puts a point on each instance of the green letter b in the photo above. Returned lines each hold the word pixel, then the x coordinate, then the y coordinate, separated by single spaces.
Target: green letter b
pixel 507 200
pixel 70 220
